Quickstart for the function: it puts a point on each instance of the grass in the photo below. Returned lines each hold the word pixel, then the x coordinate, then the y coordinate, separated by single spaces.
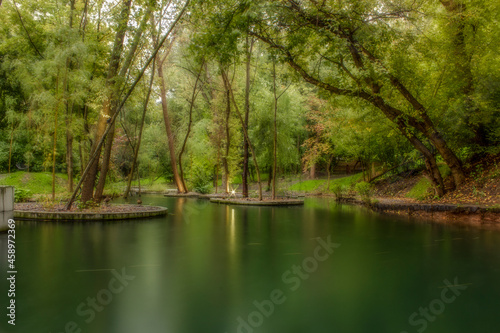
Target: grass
pixel 307 185
pixel 348 181
pixel 420 190
pixel 320 184
pixel 36 182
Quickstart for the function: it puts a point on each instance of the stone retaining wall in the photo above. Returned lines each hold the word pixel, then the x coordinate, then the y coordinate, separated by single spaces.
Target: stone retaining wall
pixel 6 205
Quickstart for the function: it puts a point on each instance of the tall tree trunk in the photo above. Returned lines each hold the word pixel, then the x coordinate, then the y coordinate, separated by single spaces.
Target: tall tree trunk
pixel 270 177
pixel 168 128
pixel 275 132
pixel 69 153
pixel 245 132
pixel 69 113
pixel 312 173
pixel 107 111
pixel 225 162
pixel 191 105
pixel 136 150
pixel 244 176
pixel 106 160
pixel 54 146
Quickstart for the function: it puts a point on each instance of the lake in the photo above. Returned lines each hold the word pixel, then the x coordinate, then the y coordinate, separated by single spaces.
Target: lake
pixel 216 268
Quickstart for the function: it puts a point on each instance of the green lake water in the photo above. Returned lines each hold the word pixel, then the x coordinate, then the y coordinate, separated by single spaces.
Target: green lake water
pixel 210 268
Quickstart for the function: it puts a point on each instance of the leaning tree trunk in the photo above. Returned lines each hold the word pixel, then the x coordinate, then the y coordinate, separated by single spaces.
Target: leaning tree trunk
pixel 168 128
pixel 191 105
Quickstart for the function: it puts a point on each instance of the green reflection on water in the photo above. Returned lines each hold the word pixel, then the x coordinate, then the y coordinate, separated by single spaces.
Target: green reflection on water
pixel 203 267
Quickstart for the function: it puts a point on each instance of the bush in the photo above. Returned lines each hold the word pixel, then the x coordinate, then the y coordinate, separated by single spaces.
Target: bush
pixel 365 191
pixel 339 190
pixel 200 181
pixel 22 195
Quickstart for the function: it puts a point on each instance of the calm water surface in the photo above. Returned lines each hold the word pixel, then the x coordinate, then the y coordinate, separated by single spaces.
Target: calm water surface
pixel 215 268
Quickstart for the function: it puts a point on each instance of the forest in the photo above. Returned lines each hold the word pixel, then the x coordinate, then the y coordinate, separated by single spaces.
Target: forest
pixel 210 93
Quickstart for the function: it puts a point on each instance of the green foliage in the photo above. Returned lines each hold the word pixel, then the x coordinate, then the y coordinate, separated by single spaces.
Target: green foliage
pixel 421 190
pixel 200 181
pixel 365 191
pixel 339 190
pixel 22 195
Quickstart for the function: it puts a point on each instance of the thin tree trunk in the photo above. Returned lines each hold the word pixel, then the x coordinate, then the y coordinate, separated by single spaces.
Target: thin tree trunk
pixel 138 182
pixel 82 162
pixel 69 155
pixel 244 177
pixel 245 132
pixel 225 162
pixel 275 134
pixel 10 146
pixel 270 177
pixel 69 109
pixel 328 172
pixel 54 146
pixel 191 105
pixel 136 150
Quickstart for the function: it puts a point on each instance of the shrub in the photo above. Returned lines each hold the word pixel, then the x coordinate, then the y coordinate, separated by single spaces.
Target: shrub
pixel 339 190
pixel 86 205
pixel 200 181
pixel 22 195
pixel 365 191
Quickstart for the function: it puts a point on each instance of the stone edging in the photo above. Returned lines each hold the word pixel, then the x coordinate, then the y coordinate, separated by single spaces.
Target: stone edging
pixel 81 216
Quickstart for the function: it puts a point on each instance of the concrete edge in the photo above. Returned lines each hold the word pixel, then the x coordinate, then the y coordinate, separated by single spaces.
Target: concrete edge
pixel 79 216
